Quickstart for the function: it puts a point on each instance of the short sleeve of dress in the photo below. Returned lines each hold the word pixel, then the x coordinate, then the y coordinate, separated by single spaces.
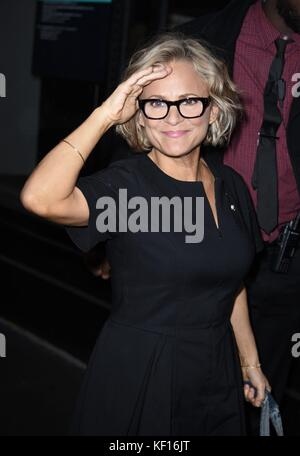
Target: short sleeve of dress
pixel 100 184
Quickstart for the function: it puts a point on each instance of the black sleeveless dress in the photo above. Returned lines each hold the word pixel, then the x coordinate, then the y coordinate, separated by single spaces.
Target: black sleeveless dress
pixel 166 360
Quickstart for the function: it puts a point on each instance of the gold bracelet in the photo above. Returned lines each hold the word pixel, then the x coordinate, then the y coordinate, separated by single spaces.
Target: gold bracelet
pixel 75 148
pixel 251 367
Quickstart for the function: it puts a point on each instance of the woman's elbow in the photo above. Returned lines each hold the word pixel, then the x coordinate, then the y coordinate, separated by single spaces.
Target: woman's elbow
pixel 32 203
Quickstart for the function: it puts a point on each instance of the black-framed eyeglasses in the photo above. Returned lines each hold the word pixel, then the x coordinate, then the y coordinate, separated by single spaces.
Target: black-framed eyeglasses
pixel 190 108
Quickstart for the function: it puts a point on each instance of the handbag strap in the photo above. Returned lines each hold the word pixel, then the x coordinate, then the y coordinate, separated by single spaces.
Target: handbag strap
pixel 270 412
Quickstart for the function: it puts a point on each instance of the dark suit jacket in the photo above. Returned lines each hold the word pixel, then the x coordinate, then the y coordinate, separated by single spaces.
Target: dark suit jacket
pixel 221 30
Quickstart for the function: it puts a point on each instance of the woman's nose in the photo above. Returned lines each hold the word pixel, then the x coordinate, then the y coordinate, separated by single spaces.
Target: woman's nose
pixel 174 117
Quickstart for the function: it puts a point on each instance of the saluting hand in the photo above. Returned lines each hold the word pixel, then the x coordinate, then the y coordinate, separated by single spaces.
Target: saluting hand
pixel 122 104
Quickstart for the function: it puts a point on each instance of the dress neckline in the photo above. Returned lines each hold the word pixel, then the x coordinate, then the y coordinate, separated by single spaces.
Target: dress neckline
pixel 216 184
pixel 155 166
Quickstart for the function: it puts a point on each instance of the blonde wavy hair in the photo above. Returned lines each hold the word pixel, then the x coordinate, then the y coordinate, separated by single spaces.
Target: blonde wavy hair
pixel 172 46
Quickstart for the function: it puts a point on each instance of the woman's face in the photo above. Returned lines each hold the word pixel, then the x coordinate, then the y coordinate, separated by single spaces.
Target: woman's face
pixel 175 135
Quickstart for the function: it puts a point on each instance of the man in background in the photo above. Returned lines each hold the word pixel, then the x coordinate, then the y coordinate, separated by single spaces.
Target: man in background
pixel 260 41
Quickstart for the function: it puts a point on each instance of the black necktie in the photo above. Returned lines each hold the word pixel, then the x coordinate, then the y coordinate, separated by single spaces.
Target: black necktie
pixel 264 178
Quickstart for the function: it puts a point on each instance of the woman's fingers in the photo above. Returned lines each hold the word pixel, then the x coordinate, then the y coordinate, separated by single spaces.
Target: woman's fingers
pixel 141 78
pixel 260 395
pixel 247 391
pixel 139 74
pixel 256 396
pixel 136 90
pixel 253 395
pixel 268 387
pixel 159 74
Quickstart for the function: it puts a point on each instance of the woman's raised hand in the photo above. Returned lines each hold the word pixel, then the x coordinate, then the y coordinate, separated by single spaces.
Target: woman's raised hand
pixel 122 104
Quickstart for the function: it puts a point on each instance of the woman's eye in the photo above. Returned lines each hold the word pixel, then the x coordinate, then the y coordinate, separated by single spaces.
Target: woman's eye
pixel 190 101
pixel 157 103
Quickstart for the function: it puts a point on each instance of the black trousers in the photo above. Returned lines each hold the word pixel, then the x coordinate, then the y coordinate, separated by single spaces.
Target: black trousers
pixel 274 307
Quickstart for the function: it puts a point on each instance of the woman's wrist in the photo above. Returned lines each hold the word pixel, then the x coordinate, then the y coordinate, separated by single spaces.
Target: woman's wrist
pixel 250 361
pixel 251 366
pixel 103 120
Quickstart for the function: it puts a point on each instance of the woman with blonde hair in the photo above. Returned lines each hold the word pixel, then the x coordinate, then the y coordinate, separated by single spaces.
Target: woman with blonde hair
pixel 172 356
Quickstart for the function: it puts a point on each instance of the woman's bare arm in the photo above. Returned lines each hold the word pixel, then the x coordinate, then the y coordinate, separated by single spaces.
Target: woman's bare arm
pixel 247 350
pixel 242 329
pixel 50 191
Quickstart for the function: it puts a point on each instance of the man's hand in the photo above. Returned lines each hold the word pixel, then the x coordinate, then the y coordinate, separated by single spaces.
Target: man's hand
pixel 103 270
pixel 97 262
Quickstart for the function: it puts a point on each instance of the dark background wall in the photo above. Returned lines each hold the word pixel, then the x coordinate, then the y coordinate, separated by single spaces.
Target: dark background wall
pixel 19 111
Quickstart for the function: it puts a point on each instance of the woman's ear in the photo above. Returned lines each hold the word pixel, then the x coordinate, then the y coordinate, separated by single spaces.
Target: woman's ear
pixel 140 119
pixel 213 115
